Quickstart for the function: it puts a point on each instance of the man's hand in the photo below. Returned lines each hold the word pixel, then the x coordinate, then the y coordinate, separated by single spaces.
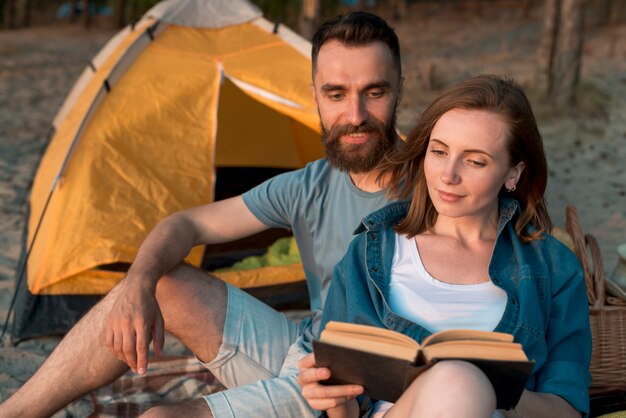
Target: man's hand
pixel 135 319
pixel 337 400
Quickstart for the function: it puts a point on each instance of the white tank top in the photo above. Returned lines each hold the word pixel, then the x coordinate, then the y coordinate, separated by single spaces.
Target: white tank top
pixel 417 296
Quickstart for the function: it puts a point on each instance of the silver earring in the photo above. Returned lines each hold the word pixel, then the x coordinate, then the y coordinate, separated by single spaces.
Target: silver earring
pixel 510 189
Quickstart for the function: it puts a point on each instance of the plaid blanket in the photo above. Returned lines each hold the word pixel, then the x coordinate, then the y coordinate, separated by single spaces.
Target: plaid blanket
pixel 168 380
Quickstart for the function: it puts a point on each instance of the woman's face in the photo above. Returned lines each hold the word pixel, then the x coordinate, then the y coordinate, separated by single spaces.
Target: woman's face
pixel 467 163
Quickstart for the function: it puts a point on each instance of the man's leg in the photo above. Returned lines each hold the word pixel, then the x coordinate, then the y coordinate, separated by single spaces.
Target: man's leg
pixel 257 347
pixel 81 362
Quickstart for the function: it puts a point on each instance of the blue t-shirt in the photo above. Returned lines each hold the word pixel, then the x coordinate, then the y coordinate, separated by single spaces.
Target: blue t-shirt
pixel 321 205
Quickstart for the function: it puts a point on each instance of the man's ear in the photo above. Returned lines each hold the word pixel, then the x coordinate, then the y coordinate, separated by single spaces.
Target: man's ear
pixel 400 89
pixel 313 94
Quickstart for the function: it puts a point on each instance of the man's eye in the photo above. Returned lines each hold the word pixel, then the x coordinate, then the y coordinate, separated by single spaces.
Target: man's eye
pixel 376 93
pixel 335 96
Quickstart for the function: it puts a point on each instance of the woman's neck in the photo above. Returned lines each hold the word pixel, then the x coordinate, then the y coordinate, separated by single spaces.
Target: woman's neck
pixel 467 229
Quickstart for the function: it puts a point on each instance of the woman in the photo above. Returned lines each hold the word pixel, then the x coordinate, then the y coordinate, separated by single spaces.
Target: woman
pixel 469 250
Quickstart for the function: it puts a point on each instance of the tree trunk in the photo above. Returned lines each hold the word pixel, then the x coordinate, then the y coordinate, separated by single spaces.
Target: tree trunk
pixel 398 8
pixel 606 12
pixel 86 14
pixel 566 66
pixel 76 5
pixel 120 15
pixel 560 50
pixel 309 18
pixel 547 43
pixel 28 10
pixel 10 14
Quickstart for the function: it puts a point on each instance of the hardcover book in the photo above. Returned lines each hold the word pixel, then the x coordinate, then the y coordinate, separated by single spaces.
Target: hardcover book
pixel 385 362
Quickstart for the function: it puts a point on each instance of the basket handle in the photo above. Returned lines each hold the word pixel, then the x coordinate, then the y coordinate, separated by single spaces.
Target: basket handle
pixel 593 273
pixel 598 270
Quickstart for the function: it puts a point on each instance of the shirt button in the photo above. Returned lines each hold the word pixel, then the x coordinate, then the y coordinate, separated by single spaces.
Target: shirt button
pixel 370 222
pixel 513 301
pixel 373 236
pixel 374 269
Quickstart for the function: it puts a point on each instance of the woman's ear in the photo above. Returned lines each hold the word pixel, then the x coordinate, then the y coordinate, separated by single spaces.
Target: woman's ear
pixel 514 175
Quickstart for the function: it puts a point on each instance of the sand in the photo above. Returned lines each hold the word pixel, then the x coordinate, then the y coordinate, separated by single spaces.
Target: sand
pixel 586 144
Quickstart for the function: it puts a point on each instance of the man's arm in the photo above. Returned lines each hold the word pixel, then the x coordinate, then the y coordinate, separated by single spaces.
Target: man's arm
pixel 135 317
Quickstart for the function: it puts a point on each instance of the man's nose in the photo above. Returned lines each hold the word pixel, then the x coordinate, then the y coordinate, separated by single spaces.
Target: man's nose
pixel 357 111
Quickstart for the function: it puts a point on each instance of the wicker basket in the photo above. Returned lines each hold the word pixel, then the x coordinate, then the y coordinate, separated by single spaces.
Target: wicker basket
pixel 607 314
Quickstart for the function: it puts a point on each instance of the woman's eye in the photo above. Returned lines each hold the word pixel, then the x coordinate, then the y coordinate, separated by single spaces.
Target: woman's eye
pixel 476 163
pixel 437 152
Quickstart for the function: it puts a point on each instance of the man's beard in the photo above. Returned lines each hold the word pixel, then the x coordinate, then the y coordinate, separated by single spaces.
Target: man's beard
pixel 359 158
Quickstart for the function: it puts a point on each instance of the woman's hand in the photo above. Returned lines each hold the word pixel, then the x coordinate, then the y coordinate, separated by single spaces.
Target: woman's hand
pixel 336 400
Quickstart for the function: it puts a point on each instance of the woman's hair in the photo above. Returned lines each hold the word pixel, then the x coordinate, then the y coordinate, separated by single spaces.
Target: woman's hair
pixel 492 94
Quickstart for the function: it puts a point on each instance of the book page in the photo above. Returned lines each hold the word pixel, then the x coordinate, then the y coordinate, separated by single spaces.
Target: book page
pixel 371 344
pixel 334 327
pixel 466 334
pixel 488 350
pixel 370 339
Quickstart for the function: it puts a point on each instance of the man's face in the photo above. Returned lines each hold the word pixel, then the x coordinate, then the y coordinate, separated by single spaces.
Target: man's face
pixel 356 89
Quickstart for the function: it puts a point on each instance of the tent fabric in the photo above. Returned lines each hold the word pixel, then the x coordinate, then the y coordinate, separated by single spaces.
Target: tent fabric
pixel 205 14
pixel 192 86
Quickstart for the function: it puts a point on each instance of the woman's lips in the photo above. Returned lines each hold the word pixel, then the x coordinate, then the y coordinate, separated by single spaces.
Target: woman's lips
pixel 448 197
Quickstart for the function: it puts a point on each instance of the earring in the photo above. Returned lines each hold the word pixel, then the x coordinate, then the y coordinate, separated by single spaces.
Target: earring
pixel 511 189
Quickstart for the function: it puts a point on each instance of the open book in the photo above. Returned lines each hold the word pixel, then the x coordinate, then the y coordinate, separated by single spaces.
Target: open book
pixel 385 362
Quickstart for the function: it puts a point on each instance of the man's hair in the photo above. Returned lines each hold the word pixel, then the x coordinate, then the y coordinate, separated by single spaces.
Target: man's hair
pixel 493 94
pixel 357 29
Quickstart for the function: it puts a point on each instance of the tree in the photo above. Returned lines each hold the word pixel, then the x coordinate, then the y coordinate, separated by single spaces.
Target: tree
pixel 309 18
pixel 606 12
pixel 398 8
pixel 120 15
pixel 560 50
pixel 10 14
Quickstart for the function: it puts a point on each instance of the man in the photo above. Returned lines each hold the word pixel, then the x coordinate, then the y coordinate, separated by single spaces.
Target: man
pixel 251 348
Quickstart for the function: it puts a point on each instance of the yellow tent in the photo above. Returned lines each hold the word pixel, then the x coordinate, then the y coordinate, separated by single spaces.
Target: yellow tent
pixel 192 86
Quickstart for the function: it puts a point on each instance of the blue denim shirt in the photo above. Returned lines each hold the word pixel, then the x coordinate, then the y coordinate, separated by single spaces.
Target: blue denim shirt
pixel 546 310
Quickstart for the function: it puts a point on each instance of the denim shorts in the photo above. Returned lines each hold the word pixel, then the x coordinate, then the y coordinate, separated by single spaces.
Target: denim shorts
pixel 257 362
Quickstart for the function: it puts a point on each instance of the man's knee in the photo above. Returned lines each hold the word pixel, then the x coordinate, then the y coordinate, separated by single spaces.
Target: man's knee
pixel 185 281
pixel 193 305
pixel 197 408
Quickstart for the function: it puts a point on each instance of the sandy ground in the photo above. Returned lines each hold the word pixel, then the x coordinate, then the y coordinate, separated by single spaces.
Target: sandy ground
pixel 586 145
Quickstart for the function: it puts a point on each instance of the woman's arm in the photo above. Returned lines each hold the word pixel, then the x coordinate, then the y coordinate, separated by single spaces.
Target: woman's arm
pixel 565 373
pixel 542 405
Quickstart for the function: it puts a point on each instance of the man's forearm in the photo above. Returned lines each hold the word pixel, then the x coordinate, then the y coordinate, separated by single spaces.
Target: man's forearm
pixel 163 249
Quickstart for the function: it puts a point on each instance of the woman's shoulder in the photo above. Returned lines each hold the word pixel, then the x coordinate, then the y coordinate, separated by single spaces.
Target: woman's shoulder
pixel 384 217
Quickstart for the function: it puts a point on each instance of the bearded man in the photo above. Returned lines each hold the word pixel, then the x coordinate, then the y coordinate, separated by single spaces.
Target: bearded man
pixel 251 348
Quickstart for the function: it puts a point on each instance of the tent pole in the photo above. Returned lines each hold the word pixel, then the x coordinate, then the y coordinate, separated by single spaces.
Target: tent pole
pixel 31 180
pixel 22 267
